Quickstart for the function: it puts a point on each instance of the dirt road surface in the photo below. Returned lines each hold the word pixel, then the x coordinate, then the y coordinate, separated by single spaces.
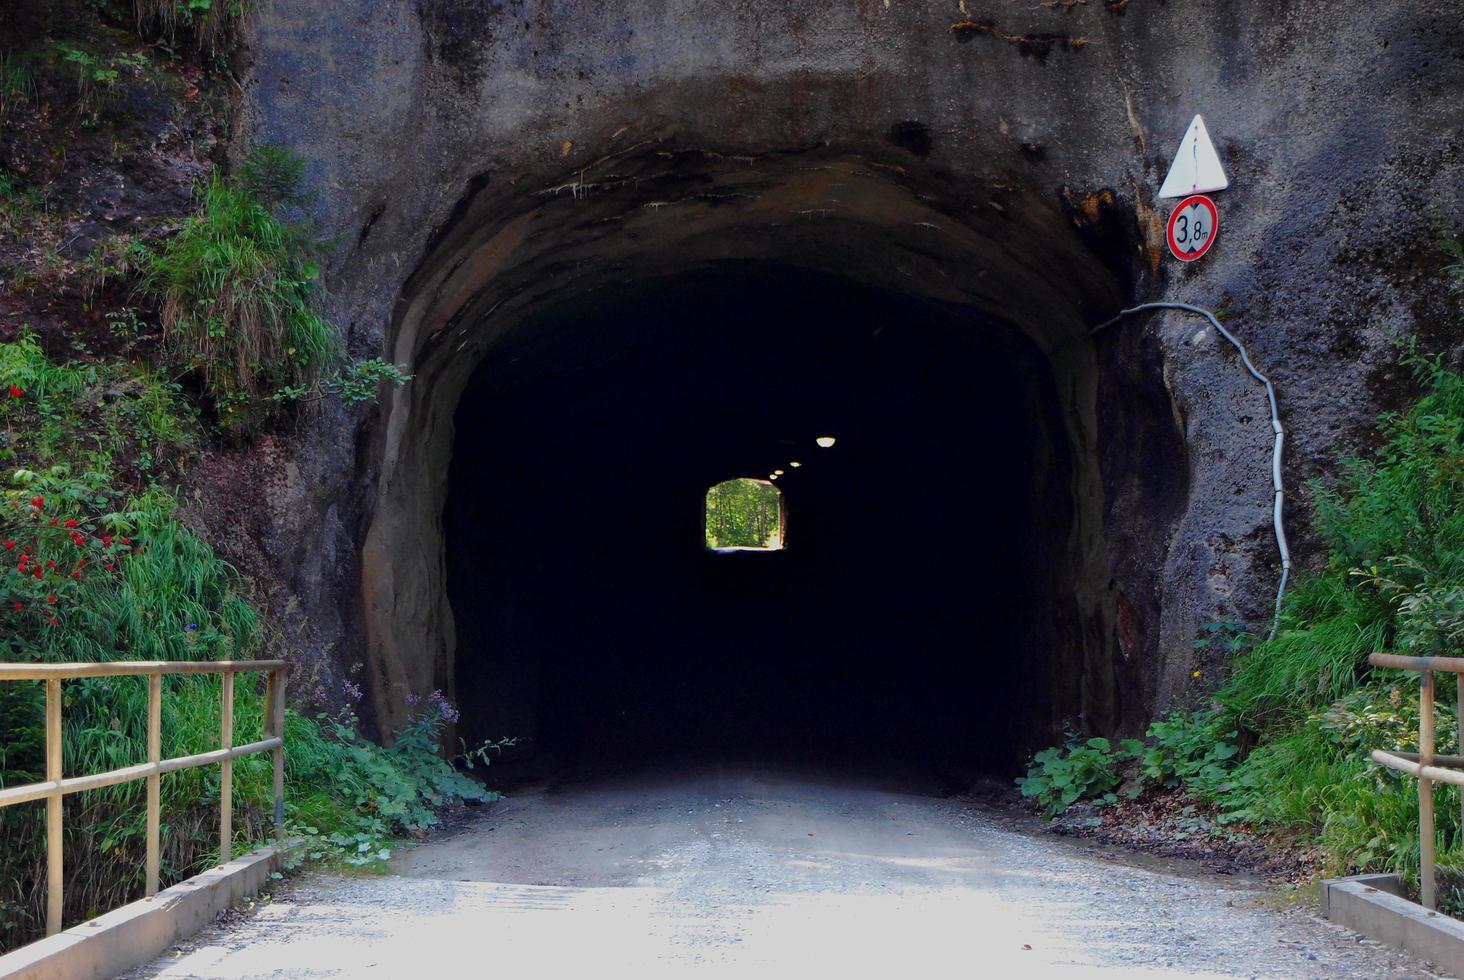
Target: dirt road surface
pixel 740 872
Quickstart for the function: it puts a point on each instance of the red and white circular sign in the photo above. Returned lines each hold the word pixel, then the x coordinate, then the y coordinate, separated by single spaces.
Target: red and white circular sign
pixel 1192 228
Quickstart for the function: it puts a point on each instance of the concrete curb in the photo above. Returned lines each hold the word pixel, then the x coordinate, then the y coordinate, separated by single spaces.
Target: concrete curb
pixel 136 933
pixel 1374 906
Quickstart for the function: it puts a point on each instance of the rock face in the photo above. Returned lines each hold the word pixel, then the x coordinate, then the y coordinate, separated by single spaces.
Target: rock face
pixel 483 160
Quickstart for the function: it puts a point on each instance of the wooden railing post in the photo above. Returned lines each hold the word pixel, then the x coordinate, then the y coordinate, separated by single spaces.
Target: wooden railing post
pixel 56 787
pixel 1426 766
pixel 1460 750
pixel 1426 884
pixel 276 709
pixel 154 781
pixel 54 862
pixel 226 770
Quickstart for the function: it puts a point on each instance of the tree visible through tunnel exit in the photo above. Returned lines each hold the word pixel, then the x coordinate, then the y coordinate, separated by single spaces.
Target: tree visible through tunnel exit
pixel 744 514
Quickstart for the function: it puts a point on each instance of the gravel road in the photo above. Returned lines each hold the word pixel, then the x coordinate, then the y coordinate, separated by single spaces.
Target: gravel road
pixel 740 872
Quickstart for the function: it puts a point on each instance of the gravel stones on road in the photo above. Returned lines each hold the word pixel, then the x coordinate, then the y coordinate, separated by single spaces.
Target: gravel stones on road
pixel 725 872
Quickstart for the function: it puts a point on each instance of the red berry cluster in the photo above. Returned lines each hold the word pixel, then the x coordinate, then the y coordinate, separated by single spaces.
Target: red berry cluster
pixel 50 555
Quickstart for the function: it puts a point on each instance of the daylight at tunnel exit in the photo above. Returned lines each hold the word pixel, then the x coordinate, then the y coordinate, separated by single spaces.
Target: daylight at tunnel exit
pixel 895 487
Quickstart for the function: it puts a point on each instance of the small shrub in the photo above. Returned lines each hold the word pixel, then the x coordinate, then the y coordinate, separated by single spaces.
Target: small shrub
pixel 394 791
pixel 273 176
pixel 354 384
pixel 1083 769
pixel 1197 750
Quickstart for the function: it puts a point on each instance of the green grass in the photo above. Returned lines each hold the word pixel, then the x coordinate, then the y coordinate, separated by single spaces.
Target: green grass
pixel 238 291
pixel 1328 627
pixel 1308 698
pixel 236 287
pixel 116 417
pixel 17 81
pixel 208 23
pixel 1307 703
pixel 71 436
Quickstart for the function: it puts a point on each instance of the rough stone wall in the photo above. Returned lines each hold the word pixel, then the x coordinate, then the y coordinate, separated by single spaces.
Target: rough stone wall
pixel 1341 125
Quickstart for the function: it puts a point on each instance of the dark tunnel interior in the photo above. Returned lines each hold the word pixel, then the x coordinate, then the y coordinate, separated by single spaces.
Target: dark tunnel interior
pixel 920 615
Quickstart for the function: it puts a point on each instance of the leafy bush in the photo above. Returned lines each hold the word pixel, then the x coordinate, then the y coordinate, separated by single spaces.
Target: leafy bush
pixel 390 792
pixel 355 383
pixel 1197 750
pixel 1083 769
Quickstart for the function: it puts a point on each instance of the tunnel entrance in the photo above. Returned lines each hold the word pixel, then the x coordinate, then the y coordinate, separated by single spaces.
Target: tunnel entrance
pixel 971 567
pixel 923 609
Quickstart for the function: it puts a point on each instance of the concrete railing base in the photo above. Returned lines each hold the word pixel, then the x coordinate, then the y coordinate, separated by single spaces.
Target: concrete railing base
pixel 1374 906
pixel 136 933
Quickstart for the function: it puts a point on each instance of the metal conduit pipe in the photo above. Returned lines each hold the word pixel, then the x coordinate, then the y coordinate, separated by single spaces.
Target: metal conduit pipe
pixel 1279 498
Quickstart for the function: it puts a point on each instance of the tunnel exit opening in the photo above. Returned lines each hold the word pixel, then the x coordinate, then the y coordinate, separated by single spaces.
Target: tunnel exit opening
pixel 926 612
pixel 744 514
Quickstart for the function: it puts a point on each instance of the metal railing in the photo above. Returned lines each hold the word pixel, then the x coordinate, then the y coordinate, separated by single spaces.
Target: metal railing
pixel 1425 764
pixel 57 786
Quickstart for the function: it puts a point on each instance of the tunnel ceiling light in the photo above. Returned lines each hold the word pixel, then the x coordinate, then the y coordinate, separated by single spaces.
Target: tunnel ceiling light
pixel 777 472
pixel 825 442
pixel 794 465
pixel 772 476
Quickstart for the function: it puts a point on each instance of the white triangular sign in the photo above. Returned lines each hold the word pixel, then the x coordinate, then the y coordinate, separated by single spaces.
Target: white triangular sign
pixel 1196 168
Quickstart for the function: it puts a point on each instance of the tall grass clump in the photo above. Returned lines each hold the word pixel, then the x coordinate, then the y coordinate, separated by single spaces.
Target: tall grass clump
pixel 17 81
pixel 1395 571
pixel 208 23
pixel 237 286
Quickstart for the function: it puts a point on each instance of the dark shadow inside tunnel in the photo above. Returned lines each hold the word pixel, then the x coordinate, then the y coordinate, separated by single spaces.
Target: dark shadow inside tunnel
pixel 921 613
